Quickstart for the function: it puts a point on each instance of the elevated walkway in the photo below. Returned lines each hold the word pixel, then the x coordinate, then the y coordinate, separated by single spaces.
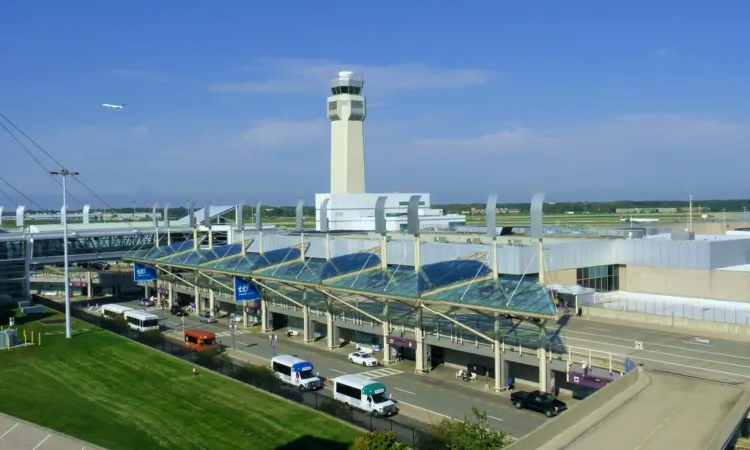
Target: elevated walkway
pixel 648 411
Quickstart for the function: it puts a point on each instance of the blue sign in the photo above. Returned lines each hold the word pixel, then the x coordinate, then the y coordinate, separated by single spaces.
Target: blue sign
pixel 245 290
pixel 143 273
pixel 629 365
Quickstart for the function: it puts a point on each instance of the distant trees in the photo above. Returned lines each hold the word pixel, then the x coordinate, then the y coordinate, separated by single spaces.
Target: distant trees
pixel 733 205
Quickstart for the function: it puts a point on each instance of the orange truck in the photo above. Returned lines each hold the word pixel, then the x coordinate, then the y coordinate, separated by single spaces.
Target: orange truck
pixel 199 340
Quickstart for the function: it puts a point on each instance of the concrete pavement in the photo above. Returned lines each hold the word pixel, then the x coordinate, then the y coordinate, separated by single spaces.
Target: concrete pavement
pixel 695 355
pixel 16 434
pixel 673 412
pixel 423 398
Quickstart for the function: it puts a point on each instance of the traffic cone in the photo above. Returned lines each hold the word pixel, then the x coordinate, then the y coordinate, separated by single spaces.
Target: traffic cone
pixel 194 372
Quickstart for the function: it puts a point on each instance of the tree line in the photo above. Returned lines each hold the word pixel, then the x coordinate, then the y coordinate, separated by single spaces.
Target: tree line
pixel 733 205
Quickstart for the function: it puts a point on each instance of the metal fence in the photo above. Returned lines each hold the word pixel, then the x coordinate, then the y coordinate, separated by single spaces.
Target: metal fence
pixel 261 378
pixel 713 311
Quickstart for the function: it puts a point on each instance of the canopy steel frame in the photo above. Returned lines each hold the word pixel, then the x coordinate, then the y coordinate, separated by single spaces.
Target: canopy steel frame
pixel 215 281
pixel 350 306
pixel 285 297
pixel 159 267
pixel 466 327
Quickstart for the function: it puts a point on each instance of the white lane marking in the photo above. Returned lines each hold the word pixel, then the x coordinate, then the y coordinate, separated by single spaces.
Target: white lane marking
pixel 663 353
pixel 657 345
pixel 43 441
pixel 696 368
pixel 427 410
pixel 412 393
pixel 9 430
pixel 495 418
pixel 697 343
pixel 598 329
pixel 338 371
pixel 379 373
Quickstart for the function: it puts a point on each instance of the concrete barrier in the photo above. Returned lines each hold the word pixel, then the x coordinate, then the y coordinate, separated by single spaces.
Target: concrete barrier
pixel 735 416
pixel 561 431
pixel 722 330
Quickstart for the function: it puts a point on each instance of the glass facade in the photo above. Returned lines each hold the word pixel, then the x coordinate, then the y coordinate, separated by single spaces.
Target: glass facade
pixel 599 278
pixel 12 270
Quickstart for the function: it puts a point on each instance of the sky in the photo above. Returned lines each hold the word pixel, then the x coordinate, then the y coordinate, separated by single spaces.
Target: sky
pixel 226 101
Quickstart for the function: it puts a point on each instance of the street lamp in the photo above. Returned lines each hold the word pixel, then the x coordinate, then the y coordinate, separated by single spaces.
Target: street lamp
pixel 65 173
pixel 133 210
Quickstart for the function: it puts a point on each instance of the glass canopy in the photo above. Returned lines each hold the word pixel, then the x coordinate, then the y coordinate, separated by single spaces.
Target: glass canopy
pixel 464 282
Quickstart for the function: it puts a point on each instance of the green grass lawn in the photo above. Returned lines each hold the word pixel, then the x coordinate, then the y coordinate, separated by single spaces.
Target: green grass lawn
pixel 109 391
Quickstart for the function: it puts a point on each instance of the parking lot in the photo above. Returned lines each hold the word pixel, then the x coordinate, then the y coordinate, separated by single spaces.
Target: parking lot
pixel 19 435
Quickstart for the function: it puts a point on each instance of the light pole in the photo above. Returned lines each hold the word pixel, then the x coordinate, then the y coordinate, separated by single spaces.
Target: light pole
pixel 65 173
pixel 724 219
pixel 134 211
pixel 232 328
pixel 690 212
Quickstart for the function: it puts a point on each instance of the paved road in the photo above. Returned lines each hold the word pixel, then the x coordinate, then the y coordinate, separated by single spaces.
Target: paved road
pixel 17 435
pixel 420 397
pixel 721 360
pixel 662 414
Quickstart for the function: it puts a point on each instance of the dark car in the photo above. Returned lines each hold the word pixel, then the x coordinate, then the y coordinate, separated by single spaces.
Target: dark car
pixel 538 401
pixel 177 311
pixel 100 265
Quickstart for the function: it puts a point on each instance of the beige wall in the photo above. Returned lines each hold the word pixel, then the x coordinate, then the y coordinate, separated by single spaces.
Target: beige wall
pixel 711 284
pixel 564 277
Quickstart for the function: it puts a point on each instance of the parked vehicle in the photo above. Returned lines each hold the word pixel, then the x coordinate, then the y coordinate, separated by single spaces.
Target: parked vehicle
pixel 362 358
pixel 199 340
pixel 296 371
pixel 146 302
pixel 177 311
pixel 141 320
pixel 100 265
pixel 206 318
pixel 538 401
pixel 364 394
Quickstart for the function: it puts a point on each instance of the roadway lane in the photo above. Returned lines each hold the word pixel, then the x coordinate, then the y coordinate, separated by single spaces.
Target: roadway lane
pixel 721 360
pixel 424 396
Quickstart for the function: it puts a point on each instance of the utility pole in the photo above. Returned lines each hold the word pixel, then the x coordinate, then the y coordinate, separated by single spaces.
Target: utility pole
pixel 690 212
pixel 65 173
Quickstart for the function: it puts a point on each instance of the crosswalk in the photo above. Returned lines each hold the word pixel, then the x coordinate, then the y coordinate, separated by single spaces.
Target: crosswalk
pixel 379 373
pixel 229 333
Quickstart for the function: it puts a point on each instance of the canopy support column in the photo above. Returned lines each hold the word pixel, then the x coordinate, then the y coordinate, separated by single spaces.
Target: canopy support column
pixel 421 364
pixel 307 328
pixel 386 335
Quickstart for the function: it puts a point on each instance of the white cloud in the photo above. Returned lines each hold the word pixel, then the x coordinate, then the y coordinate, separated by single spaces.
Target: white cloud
pixel 275 134
pixel 291 76
pixel 664 51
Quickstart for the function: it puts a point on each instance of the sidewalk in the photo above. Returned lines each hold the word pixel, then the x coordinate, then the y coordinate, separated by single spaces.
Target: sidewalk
pixel 18 434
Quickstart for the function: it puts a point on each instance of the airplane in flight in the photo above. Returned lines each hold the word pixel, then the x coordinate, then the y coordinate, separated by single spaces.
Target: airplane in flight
pixel 107 105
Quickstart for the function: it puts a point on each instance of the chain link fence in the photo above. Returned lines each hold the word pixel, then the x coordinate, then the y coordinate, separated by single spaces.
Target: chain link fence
pixel 710 310
pixel 262 378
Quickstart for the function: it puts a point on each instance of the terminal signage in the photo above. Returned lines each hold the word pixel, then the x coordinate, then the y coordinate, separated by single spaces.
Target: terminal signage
pixel 588 380
pixel 245 290
pixel 143 273
pixel 401 342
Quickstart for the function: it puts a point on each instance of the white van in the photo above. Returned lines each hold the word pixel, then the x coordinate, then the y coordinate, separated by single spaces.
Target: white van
pixel 364 394
pixel 296 371
pixel 141 320
pixel 114 311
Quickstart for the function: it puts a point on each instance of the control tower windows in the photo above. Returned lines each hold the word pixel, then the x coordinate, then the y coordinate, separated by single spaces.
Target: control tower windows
pixel 355 90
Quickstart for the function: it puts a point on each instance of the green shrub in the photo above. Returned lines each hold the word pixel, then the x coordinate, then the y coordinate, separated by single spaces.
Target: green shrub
pixel 379 440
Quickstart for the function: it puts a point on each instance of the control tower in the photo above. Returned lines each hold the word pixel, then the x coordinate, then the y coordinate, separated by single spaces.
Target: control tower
pixel 346 110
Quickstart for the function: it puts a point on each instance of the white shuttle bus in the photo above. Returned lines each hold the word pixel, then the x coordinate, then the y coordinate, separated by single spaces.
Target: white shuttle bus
pixel 296 371
pixel 114 311
pixel 141 320
pixel 364 394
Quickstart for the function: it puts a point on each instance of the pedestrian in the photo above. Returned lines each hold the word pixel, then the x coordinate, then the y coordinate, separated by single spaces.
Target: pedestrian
pixel 511 385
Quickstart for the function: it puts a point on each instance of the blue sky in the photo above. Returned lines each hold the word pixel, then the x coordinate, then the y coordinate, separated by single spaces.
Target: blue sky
pixel 586 100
